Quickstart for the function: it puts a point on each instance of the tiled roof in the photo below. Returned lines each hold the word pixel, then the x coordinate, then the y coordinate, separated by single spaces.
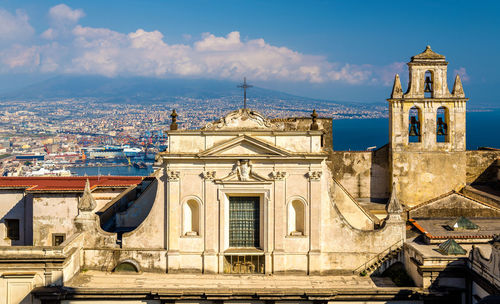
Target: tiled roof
pixel 436 229
pixel 69 183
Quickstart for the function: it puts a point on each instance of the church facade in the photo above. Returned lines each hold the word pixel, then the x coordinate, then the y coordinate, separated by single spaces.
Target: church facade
pixel 262 210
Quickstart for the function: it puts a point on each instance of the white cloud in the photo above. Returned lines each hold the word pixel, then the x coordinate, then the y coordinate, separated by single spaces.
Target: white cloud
pixel 14 27
pixel 463 74
pixel 64 14
pixel 76 49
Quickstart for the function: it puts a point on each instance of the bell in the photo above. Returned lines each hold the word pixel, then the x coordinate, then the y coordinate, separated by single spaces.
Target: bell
pixel 442 127
pixel 413 126
pixel 428 85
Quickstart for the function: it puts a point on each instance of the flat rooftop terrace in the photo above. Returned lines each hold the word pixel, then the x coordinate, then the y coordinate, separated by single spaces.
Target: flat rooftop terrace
pixel 97 284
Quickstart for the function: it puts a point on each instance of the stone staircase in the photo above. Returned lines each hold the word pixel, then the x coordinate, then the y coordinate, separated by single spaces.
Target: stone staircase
pixel 379 263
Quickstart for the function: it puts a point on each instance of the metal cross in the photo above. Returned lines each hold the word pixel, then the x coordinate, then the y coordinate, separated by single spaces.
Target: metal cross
pixel 244 86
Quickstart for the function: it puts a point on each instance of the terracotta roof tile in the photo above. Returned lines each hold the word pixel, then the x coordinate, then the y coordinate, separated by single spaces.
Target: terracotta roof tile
pixel 69 183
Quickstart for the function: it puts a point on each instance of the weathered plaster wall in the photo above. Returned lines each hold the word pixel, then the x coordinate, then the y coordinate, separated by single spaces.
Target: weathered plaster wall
pixel 151 232
pixel 365 174
pixel 138 209
pixel 482 166
pixel 12 206
pixel 421 176
pixel 53 213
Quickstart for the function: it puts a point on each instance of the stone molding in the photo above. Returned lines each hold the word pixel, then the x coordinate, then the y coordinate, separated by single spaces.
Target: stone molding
pixel 314 175
pixel 173 176
pixel 209 175
pixel 278 175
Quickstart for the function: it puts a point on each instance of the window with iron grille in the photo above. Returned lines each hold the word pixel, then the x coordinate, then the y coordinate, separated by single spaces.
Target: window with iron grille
pixel 12 229
pixel 244 221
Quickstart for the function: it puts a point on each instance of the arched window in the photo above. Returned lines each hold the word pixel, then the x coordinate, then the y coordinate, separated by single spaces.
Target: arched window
pixel 126 267
pixel 296 217
pixel 414 127
pixel 428 84
pixel 442 119
pixel 191 218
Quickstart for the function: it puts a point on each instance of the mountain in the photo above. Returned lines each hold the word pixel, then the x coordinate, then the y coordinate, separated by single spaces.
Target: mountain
pixel 135 89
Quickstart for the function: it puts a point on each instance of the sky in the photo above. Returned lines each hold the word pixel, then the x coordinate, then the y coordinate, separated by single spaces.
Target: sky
pixel 335 50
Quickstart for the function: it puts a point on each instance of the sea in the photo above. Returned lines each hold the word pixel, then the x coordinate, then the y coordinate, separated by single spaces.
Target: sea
pixel 360 134
pixel 348 135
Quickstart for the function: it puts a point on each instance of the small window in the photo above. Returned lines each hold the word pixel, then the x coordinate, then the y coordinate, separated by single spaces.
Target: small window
pixel 58 239
pixel 126 267
pixel 12 226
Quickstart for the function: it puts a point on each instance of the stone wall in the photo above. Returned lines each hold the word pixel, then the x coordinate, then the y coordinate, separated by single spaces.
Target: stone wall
pixel 364 174
pixel 53 213
pixel 421 176
pixel 482 166
pixel 12 206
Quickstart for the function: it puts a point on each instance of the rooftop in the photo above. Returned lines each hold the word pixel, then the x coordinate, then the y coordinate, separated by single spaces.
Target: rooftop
pixel 437 228
pixel 218 286
pixel 69 183
pixel 428 54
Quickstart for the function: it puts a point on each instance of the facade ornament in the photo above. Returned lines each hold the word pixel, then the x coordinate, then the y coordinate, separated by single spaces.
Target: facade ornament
pixel 87 202
pixel 278 175
pixel 173 125
pixel 243 169
pixel 314 175
pixel 394 208
pixel 173 176
pixel 209 175
pixel 243 119
pixel 397 90
pixel 314 123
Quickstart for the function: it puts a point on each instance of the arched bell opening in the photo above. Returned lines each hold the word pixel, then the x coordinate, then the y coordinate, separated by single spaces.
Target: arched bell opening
pixel 442 122
pixel 428 84
pixel 414 127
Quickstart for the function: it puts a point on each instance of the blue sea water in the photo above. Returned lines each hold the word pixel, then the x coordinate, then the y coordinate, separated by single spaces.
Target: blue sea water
pixel 359 134
pixel 111 170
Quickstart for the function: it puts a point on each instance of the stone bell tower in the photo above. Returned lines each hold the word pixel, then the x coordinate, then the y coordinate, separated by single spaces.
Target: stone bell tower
pixel 427 130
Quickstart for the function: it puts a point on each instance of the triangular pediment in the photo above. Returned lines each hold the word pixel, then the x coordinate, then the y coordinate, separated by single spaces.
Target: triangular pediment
pixel 244 145
pixel 454 204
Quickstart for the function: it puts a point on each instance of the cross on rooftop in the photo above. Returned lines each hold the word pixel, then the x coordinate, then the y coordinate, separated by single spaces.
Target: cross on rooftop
pixel 244 86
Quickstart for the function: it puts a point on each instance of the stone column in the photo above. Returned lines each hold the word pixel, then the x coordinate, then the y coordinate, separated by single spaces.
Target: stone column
pixel 314 222
pixel 173 220
pixel 210 263
pixel 280 229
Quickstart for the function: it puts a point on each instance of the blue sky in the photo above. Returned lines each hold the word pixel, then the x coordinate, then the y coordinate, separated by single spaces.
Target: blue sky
pixel 338 50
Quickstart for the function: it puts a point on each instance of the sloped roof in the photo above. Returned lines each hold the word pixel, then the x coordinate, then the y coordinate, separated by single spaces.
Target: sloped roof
pixel 450 247
pixel 453 204
pixel 428 54
pixel 67 183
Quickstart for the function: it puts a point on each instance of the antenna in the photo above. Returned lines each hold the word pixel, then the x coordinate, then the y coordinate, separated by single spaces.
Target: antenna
pixel 245 86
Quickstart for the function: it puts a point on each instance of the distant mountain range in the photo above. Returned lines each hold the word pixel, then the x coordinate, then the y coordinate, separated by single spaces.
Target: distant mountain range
pixel 136 89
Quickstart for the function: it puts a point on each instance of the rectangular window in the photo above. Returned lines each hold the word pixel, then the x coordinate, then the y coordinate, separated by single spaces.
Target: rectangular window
pixel 244 222
pixel 58 238
pixel 12 229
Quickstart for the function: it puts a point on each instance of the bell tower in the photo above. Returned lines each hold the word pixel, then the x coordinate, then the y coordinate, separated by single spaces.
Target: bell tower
pixel 425 120
pixel 427 117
